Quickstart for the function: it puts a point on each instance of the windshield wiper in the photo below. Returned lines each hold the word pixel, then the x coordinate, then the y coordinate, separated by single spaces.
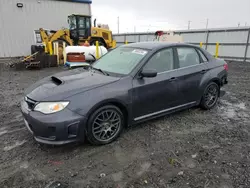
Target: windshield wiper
pixel 100 70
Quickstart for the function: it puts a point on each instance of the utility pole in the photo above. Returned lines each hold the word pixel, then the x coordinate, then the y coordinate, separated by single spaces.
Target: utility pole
pixel 148 31
pixel 134 32
pixel 118 24
pixel 207 23
pixel 189 24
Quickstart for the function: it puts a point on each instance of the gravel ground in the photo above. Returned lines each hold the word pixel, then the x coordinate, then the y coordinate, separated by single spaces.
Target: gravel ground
pixel 189 149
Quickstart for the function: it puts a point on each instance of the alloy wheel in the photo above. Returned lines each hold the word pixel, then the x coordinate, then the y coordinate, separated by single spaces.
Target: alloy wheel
pixel 106 125
pixel 211 95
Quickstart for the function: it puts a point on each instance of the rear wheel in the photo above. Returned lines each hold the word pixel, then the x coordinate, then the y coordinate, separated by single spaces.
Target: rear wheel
pixel 210 96
pixel 105 125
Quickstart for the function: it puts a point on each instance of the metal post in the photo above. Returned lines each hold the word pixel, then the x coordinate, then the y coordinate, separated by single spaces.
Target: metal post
pixel 54 47
pixel 97 50
pixel 217 50
pixel 207 39
pixel 57 53
pixel 201 44
pixel 50 50
pixel 248 37
pixel 64 53
pixel 139 38
pixel 113 43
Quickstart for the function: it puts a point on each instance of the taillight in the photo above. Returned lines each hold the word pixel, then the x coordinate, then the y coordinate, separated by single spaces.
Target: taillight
pixel 225 66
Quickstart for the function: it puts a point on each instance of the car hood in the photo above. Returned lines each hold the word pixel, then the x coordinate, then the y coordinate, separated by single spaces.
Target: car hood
pixel 65 84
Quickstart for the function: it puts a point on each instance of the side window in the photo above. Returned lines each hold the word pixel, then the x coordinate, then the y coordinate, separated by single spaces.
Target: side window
pixel 161 61
pixel 187 57
pixel 81 23
pixel 203 57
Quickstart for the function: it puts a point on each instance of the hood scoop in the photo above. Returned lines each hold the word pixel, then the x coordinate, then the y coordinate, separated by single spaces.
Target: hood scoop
pixel 56 80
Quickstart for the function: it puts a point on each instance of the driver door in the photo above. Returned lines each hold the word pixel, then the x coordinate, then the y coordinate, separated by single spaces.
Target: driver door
pixel 152 96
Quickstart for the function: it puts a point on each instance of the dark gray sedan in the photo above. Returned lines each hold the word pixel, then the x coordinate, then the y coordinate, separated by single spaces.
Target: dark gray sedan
pixel 130 84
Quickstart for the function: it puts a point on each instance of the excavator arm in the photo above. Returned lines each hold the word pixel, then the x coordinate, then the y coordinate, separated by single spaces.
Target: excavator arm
pixel 61 34
pixel 49 39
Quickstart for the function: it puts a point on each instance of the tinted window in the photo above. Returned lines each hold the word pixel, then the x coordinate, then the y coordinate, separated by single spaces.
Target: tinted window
pixel 187 57
pixel 161 61
pixel 203 57
pixel 121 60
pixel 81 22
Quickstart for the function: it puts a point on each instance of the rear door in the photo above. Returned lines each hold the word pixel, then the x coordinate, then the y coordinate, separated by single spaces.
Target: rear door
pixel 190 71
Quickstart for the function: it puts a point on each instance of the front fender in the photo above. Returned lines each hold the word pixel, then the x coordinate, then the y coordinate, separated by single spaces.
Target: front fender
pixel 116 93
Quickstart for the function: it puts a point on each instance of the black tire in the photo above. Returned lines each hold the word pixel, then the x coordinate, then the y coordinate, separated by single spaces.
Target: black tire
pixel 101 43
pixel 37 48
pixel 210 96
pixel 101 128
pixel 33 49
pixel 52 61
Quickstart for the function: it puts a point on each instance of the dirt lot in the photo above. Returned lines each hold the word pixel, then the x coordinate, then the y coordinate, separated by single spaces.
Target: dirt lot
pixel 193 148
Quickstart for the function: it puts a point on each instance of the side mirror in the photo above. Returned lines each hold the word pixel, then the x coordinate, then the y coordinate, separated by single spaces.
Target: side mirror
pixel 148 73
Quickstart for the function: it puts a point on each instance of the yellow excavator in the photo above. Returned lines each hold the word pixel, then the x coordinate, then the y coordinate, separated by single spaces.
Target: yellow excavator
pixel 80 31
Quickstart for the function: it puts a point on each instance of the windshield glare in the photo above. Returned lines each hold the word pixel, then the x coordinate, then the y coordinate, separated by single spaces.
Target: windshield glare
pixel 72 22
pixel 121 60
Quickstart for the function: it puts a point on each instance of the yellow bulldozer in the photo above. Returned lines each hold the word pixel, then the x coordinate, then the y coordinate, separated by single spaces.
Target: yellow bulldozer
pixel 80 31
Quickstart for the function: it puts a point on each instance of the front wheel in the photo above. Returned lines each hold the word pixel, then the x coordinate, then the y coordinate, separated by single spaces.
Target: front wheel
pixel 210 96
pixel 93 43
pixel 105 125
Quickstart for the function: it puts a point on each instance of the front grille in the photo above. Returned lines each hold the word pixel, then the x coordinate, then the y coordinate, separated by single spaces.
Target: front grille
pixel 31 103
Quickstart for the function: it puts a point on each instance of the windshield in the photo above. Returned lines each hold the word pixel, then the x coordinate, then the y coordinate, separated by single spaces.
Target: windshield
pixel 72 22
pixel 121 60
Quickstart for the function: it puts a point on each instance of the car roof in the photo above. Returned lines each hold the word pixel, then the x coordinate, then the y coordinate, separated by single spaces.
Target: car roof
pixel 154 45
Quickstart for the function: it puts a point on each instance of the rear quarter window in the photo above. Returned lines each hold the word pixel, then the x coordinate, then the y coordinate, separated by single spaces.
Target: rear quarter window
pixel 202 55
pixel 188 56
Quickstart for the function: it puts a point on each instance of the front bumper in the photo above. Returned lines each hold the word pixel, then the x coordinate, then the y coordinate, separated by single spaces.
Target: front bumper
pixel 56 129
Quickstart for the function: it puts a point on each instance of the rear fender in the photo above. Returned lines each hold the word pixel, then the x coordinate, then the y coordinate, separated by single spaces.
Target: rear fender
pixel 212 76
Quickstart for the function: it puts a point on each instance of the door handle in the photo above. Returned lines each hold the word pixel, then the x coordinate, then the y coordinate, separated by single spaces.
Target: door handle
pixel 173 79
pixel 203 71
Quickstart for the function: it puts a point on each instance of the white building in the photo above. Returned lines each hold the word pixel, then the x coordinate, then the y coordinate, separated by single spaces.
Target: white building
pixel 20 18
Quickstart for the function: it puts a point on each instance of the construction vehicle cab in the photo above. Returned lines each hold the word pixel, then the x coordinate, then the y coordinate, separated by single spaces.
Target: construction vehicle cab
pixel 80 27
pixel 81 31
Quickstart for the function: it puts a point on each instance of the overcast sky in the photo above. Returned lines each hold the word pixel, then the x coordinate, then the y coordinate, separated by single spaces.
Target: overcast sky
pixel 151 15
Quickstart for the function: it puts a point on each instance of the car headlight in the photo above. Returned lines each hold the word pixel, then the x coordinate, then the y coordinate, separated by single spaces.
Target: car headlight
pixel 50 107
